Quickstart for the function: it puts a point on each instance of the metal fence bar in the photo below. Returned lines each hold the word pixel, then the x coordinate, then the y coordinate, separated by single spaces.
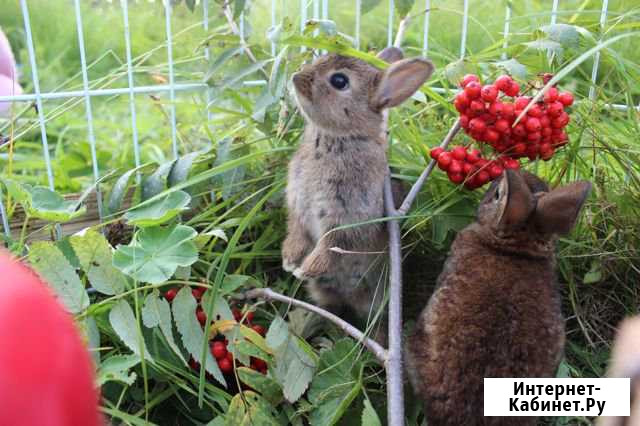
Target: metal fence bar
pixel 390 24
pixel 325 9
pixel 465 23
pixel 36 89
pixel 87 102
pixel 554 12
pixel 358 16
pixel 425 33
pixel 596 58
pixel 273 24
pixel 172 93
pixel 303 20
pixel 507 23
pixel 207 54
pixel 132 106
pixel 3 214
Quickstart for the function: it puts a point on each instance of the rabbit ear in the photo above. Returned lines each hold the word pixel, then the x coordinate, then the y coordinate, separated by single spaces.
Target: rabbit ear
pixel 515 201
pixel 400 81
pixel 558 210
pixel 391 54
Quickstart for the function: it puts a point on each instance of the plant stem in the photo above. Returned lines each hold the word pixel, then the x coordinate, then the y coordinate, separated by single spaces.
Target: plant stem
pixel 372 345
pixel 234 29
pixel 415 189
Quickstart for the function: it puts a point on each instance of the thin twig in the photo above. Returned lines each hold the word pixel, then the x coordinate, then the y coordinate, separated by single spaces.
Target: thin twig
pixel 395 386
pixel 234 29
pixel 415 189
pixel 402 29
pixel 372 345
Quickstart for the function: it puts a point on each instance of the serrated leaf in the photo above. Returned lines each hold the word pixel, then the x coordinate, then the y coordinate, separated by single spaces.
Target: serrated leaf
pixel 404 7
pixel 116 368
pixel 549 45
pixel 156 312
pixel 565 34
pixel 123 322
pixel 155 253
pixel 204 237
pixel 261 383
pixel 233 282
pixel 159 211
pixel 513 67
pixel 56 271
pixel 249 408
pixel 157 181
pixel 336 386
pixel 369 415
pixel 181 168
pixel 95 256
pixel 294 366
pixel 42 203
pixel 184 308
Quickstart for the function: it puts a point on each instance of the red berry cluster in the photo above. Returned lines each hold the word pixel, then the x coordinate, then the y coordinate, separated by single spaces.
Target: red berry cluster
pixel 219 343
pixel 469 166
pixel 488 117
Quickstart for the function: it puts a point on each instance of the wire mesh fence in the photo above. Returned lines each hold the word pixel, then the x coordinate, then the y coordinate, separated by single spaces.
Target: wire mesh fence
pixel 309 10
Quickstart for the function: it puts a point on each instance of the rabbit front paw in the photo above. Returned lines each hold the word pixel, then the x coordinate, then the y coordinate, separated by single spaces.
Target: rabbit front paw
pixel 293 251
pixel 314 266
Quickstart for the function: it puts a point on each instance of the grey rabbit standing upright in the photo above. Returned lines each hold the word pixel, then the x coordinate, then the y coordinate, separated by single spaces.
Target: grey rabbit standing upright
pixel 496 310
pixel 337 175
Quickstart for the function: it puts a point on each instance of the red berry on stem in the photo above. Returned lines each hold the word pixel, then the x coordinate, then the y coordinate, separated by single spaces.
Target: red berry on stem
pixel 219 350
pixel 468 79
pixel 250 316
pixel 554 109
pixel 512 164
pixel 521 102
pixel 464 121
pixel 565 98
pixel 551 95
pixel 456 178
pixel 473 90
pixel 533 124
pixel 534 136
pixel 535 111
pixel 225 365
pixel 237 314
pixel 503 83
pixel 473 156
pixel 496 108
pixel 476 106
pixel 170 294
pixel 455 167
pixel 520 130
pixel 259 329
pixel 503 126
pixel 513 89
pixel 508 110
pixel 491 136
pixel 202 317
pixel 198 292
pixel 495 171
pixel 435 152
pixel 459 153
pixel 444 160
pixel 489 93
pixel 230 356
pixel 462 99
pixel 477 125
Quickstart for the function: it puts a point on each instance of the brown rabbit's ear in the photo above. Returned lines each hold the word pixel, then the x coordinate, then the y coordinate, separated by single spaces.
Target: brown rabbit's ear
pixel 391 54
pixel 558 210
pixel 400 81
pixel 516 203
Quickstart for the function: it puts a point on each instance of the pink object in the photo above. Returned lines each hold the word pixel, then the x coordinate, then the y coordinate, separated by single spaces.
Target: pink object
pixel 8 74
pixel 46 374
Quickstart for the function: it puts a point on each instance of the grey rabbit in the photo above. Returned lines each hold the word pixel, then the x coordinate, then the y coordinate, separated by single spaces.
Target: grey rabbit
pixel 496 308
pixel 337 175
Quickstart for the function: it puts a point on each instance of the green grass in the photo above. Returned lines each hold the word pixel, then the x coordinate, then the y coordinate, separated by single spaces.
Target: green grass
pixel 598 263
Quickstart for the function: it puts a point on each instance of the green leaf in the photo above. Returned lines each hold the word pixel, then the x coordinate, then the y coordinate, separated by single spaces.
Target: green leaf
pixel 564 34
pixel 159 211
pixel 335 45
pixel 259 382
pixel 333 390
pixel 156 312
pixel 95 256
pixel 230 179
pixel 219 61
pixel 513 67
pixel 404 7
pixel 594 275
pixel 123 322
pixel 56 270
pixel 549 45
pixel 184 313
pixel 369 415
pixel 181 168
pixel 233 282
pixel 119 189
pixel 191 5
pixel 238 8
pixel 368 5
pixel 157 181
pixel 249 408
pixel 90 329
pixel 155 253
pixel 42 203
pixel 294 366
pixel 116 368
pixel 325 26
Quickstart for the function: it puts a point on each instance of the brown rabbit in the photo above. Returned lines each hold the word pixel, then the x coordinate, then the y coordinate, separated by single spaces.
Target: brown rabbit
pixel 496 309
pixel 336 177
pixel 625 362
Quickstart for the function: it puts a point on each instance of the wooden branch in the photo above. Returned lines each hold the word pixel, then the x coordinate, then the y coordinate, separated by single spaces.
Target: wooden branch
pixel 415 189
pixel 372 345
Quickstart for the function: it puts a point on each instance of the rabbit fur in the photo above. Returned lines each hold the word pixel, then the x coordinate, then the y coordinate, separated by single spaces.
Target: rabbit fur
pixel 336 177
pixel 496 309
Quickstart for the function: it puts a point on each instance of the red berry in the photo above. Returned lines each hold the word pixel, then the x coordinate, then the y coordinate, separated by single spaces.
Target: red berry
pixel 496 108
pixel 455 167
pixel 554 109
pixel 462 99
pixel 502 126
pixel 198 292
pixel 202 317
pixel 508 110
pixel 535 111
pixel 473 156
pixel 219 350
pixel 521 102
pixel 170 294
pixel 560 121
pixel 565 98
pixel 456 178
pixel 551 95
pixel 259 363
pixel 495 171
pixel 491 136
pixel 489 93
pixel 533 124
pixel 512 90
pixel 464 121
pixel 473 90
pixel 477 125
pixel 477 106
pixel 435 152
pixel 511 164
pixel 520 130
pixel 259 329
pixel 466 169
pixel 230 357
pixel 225 365
pixel 482 177
pixel 250 316
pixel 444 160
pixel 468 79
pixel 459 153
pixel 545 121
pixel 546 77
pixel 520 149
pixel 503 83
pixel 534 136
pixel 237 314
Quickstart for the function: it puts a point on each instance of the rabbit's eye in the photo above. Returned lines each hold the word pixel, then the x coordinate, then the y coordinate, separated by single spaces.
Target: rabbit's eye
pixel 339 81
